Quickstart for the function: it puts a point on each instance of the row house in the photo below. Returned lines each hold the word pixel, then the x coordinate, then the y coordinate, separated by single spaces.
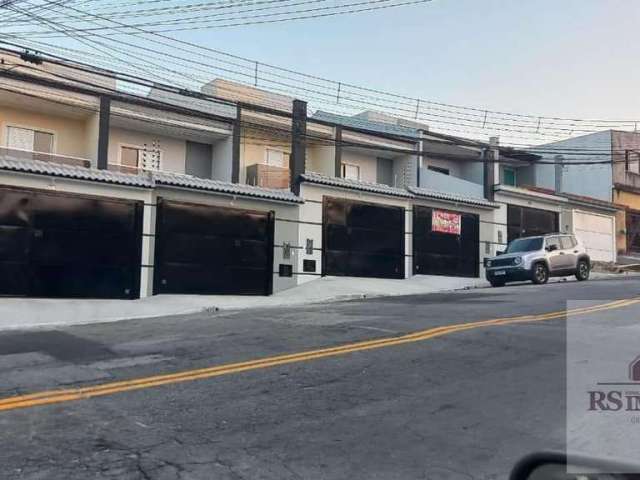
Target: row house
pixel 602 166
pixel 110 192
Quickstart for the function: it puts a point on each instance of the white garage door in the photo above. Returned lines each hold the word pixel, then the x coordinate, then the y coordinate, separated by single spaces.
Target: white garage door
pixel 597 234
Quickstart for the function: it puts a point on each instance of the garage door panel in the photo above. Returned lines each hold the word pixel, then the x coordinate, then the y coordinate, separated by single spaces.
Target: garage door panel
pixel 335 212
pixel 62 247
pixel 69 245
pixel 598 241
pixel 362 239
pixel 371 265
pixel 335 261
pixel 199 279
pixel 379 242
pixel 14 278
pixel 77 213
pixel 203 249
pixel 14 243
pixel 80 281
pixel 440 253
pixel 339 237
pixel 596 233
pixel 213 220
pixel 372 216
pixel 15 208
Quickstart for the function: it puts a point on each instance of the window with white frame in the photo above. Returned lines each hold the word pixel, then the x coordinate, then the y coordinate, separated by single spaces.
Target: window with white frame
pixel 29 139
pixel 276 158
pixel 350 172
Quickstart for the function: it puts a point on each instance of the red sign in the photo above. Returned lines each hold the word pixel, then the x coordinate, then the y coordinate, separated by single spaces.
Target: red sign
pixel 445 222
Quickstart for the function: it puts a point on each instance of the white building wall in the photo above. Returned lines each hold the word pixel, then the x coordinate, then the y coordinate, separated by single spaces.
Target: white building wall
pixel 321 159
pixel 368 164
pixel 222 158
pixel 173 150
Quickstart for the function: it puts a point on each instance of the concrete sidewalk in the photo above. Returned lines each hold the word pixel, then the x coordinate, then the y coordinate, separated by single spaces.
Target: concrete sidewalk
pixel 25 313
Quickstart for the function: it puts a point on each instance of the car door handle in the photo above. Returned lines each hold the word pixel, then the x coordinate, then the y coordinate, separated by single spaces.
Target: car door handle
pixel 575 251
pixel 560 253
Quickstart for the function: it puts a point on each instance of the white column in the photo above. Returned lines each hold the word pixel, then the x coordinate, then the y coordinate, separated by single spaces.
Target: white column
pixel 148 246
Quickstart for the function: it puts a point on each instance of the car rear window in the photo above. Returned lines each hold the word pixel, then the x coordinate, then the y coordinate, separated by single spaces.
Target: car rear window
pixel 524 245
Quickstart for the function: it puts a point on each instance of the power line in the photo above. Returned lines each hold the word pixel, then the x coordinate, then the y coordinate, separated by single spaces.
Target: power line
pixel 552 130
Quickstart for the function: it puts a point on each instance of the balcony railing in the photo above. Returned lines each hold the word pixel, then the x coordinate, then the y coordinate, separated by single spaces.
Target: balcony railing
pixel 45 157
pixel 267 176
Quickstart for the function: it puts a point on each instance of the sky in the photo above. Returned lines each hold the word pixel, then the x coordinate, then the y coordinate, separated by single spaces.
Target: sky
pixel 570 58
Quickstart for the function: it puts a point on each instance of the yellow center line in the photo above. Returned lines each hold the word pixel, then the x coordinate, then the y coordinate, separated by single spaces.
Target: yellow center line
pixel 67 395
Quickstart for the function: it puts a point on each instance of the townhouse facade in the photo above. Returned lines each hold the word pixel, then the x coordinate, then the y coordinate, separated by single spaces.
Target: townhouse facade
pixel 107 193
pixel 604 166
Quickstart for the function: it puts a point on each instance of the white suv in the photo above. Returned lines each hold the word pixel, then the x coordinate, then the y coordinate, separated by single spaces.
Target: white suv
pixel 537 259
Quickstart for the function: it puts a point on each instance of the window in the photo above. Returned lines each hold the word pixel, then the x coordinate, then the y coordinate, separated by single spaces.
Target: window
pixel 350 172
pixel 133 158
pixel 28 139
pixel 567 242
pixel 509 176
pixel 633 163
pixel 444 171
pixel 276 158
pixel 553 242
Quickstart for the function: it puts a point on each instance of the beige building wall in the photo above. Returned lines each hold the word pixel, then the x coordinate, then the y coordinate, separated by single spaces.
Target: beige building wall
pixel 254 150
pixel 173 150
pixel 69 133
pixel 368 164
pixel 321 159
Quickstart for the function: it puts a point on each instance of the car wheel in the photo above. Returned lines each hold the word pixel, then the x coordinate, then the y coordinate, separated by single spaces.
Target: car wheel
pixel 583 270
pixel 497 283
pixel 540 274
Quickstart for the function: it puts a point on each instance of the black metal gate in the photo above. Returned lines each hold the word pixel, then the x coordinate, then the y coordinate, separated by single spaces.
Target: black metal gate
pixel 203 249
pixel 527 221
pixel 448 250
pixel 362 239
pixel 633 231
pixel 70 246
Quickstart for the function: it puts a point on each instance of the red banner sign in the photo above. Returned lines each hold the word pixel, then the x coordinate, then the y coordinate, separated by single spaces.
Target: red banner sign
pixel 445 222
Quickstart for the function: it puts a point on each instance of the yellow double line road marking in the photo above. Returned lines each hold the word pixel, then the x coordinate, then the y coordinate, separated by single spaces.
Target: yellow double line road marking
pixel 67 395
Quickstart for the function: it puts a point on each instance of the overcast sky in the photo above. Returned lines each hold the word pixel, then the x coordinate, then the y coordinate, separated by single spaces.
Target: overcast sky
pixel 549 57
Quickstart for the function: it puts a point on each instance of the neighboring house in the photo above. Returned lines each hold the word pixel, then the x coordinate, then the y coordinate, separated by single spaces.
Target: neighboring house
pixel 609 171
pixel 234 190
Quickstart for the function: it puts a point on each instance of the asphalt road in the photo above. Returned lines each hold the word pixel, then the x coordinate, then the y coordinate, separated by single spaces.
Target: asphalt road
pixel 463 405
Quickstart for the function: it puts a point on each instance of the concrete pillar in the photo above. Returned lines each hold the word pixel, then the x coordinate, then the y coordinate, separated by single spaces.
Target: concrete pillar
pixel 103 132
pixel 148 245
pixel 338 151
pixel 408 241
pixel 491 175
pixel 297 159
pixel 235 148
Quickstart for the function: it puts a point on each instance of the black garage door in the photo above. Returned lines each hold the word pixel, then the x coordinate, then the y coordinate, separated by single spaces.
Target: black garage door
pixel 445 242
pixel 526 221
pixel 362 239
pixel 62 245
pixel 205 249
